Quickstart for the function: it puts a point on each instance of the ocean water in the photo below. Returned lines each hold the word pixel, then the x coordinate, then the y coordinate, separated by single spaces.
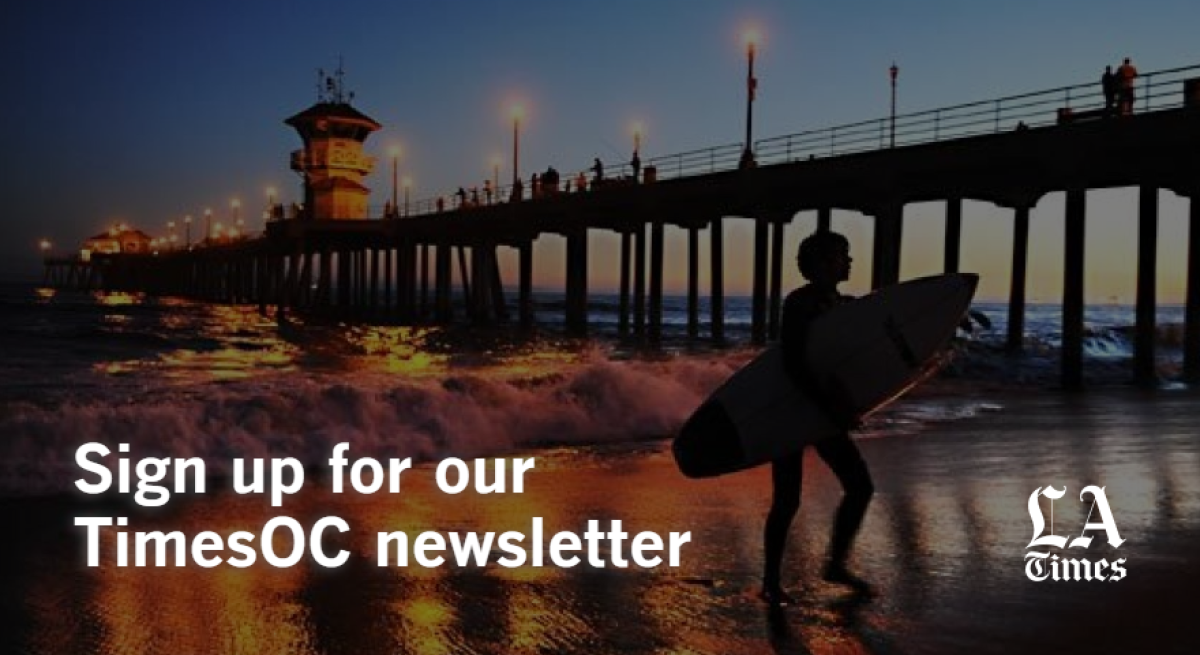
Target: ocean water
pixel 176 378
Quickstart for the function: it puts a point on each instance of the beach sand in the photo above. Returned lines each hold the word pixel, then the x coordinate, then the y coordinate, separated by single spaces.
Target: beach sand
pixel 943 543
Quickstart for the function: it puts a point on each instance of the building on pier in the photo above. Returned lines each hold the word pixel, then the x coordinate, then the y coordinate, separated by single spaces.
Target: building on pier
pixel 332 163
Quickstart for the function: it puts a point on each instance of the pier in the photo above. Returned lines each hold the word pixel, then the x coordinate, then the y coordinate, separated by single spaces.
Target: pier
pixel 401 267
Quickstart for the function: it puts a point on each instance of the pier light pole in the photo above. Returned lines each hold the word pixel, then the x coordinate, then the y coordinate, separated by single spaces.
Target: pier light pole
pixel 270 205
pixel 407 187
pixel 518 112
pixel 207 225
pixel 496 160
pixel 171 233
pixel 395 153
pixel 894 70
pixel 637 138
pixel 187 225
pixel 44 245
pixel 752 37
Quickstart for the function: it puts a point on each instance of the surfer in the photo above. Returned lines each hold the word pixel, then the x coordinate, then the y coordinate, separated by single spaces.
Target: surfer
pixel 824 260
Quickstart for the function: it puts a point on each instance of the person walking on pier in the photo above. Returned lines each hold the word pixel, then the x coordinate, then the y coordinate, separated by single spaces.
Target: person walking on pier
pixel 1126 74
pixel 597 170
pixel 1108 83
pixel 824 260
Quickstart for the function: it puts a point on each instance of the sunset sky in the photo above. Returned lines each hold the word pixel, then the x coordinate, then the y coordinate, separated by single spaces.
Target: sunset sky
pixel 142 112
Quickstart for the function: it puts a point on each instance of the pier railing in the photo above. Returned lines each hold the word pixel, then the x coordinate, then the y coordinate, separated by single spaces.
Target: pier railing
pixel 1155 91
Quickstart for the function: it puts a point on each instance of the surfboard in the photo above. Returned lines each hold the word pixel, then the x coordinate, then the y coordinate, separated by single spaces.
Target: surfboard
pixel 874 349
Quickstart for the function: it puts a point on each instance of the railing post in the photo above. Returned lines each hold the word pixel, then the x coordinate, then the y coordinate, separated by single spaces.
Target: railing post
pixel 937 124
pixel 832 141
pixel 1149 86
pixel 789 148
pixel 997 115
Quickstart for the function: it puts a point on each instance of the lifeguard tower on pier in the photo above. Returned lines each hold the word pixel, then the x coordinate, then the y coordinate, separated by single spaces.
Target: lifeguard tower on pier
pixel 332 162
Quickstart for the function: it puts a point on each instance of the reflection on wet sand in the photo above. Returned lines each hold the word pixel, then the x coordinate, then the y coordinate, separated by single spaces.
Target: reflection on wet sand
pixel 943 544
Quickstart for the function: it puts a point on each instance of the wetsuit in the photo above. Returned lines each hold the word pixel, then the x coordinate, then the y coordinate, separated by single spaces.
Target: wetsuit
pixel 800 308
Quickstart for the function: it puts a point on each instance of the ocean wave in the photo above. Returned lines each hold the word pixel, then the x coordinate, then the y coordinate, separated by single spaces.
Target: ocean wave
pixel 465 415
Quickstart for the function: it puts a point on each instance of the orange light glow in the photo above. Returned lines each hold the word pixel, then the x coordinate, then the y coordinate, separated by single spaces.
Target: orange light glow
pixel 752 38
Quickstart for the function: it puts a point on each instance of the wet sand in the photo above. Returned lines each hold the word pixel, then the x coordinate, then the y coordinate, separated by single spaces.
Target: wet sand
pixel 943 543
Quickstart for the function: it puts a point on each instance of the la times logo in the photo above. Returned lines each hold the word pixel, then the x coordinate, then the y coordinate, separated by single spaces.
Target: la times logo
pixel 1042 565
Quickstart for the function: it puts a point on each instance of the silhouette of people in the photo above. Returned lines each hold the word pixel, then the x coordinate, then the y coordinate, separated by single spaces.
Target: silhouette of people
pixel 535 186
pixel 581 182
pixel 461 194
pixel 487 190
pixel 474 196
pixel 747 160
pixel 597 170
pixel 1126 73
pixel 636 165
pixel 1108 83
pixel 550 180
pixel 824 260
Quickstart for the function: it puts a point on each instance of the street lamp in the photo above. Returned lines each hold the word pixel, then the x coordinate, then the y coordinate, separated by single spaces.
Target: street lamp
pixel 187 223
pixel 394 151
pixel 496 160
pixel 407 187
pixel 171 231
pixel 752 39
pixel 894 72
pixel 637 136
pixel 207 225
pixel 518 112
pixel 44 245
pixel 270 202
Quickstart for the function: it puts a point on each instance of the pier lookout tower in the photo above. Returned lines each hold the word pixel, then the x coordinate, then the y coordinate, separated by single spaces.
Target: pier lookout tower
pixel 332 162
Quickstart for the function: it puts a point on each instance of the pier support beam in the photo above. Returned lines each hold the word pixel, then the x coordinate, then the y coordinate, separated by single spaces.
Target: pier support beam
pixel 1191 336
pixel 443 311
pixel 889 234
pixel 343 281
pixel 577 267
pixel 424 274
pixel 1016 291
pixel 656 279
pixel 716 238
pixel 758 306
pixel 1147 264
pixel 693 306
pixel 776 300
pixel 639 280
pixel 1073 269
pixel 525 283
pixel 623 302
pixel 824 219
pixel 953 234
pixel 499 306
pixel 388 277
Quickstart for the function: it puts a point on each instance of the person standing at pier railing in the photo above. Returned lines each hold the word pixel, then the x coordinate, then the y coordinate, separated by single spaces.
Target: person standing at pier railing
pixel 1126 74
pixel 1108 83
